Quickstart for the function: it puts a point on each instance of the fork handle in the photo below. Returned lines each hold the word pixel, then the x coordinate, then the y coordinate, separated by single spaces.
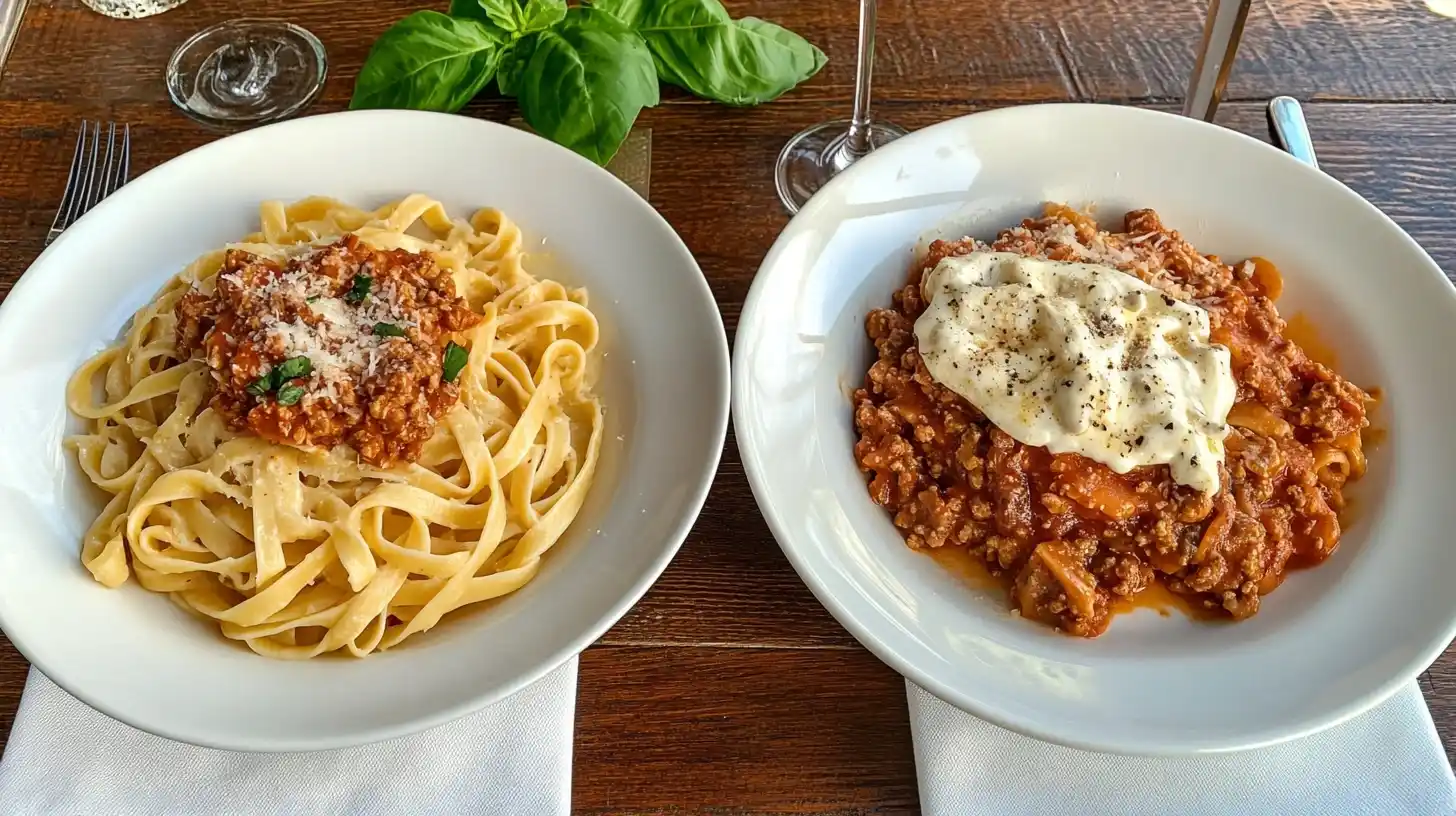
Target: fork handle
pixel 1291 131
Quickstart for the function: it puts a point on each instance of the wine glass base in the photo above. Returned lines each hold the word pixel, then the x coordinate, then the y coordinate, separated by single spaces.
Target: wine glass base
pixel 246 72
pixel 818 154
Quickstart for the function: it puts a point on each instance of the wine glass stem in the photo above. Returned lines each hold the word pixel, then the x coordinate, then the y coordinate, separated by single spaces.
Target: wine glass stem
pixel 859 125
pixel 1222 30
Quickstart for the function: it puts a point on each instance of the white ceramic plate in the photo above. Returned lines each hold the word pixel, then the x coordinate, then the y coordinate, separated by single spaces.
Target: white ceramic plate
pixel 135 656
pixel 1329 644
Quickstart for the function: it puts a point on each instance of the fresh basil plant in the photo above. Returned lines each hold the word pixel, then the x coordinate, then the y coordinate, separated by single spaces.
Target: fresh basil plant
pixel 581 74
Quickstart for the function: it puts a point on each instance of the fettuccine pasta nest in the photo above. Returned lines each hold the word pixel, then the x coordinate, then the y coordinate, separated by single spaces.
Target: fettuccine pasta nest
pixel 303 550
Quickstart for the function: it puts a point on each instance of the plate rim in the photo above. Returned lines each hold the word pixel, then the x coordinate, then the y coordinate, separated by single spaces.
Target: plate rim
pixel 692 505
pixel 798 557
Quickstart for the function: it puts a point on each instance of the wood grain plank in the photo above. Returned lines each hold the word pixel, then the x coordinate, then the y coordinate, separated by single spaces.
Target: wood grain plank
pixel 1439 685
pixel 713 731
pixel 13 670
pixel 929 50
pixel 1109 50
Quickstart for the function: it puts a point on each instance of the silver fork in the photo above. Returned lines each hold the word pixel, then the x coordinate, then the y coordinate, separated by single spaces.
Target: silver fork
pixel 100 165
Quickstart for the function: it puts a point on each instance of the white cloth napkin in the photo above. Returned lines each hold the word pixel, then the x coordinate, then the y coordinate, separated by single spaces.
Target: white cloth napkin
pixel 512 758
pixel 1386 762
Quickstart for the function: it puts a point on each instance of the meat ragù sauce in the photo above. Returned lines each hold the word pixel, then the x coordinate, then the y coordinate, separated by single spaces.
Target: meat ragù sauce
pixel 344 344
pixel 1071 540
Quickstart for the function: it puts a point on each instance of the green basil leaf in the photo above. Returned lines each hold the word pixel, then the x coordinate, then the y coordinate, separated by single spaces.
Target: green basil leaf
pixel 359 289
pixel 290 394
pixel 505 14
pixel 585 81
pixel 539 15
pixel 631 12
pixel 261 386
pixel 513 65
pixel 292 368
pixel 454 361
pixel 696 45
pixel 468 10
pixel 516 17
pixel 388 330
pixel 428 61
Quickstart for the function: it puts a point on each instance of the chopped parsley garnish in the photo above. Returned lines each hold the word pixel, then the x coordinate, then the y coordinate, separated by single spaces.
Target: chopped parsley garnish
pixel 314 299
pixel 388 330
pixel 455 358
pixel 290 394
pixel 359 290
pixel 289 369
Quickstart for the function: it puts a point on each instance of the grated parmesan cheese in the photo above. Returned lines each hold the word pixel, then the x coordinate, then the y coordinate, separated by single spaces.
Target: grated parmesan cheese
pixel 343 341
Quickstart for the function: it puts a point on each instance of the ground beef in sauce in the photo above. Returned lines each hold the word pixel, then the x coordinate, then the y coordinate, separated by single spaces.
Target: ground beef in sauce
pixel 1037 520
pixel 378 393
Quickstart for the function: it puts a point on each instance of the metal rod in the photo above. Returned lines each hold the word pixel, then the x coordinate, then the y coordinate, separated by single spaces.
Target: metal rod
pixel 859 125
pixel 1221 33
pixel 1290 130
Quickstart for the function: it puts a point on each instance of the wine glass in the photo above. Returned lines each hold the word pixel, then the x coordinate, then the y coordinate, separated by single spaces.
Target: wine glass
pixel 818 154
pixel 246 71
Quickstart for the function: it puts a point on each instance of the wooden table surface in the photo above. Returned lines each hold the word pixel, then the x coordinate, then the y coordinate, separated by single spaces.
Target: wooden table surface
pixel 728 689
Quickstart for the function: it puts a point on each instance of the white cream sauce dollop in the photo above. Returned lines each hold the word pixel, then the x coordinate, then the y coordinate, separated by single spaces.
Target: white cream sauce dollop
pixel 1080 358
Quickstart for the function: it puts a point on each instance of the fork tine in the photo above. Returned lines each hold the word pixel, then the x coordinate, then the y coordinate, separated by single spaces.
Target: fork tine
pixel 68 196
pixel 124 172
pixel 91 172
pixel 118 160
pixel 103 184
pixel 83 181
pixel 113 159
pixel 93 182
pixel 88 174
